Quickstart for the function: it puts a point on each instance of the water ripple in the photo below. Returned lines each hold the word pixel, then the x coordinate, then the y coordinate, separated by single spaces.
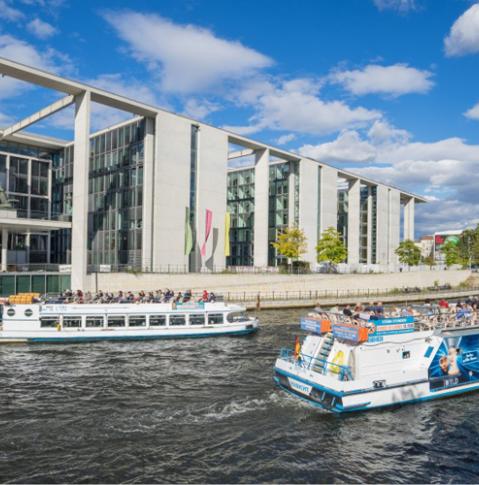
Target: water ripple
pixel 207 411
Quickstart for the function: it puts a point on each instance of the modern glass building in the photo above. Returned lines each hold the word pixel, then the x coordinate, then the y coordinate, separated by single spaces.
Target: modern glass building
pixel 158 193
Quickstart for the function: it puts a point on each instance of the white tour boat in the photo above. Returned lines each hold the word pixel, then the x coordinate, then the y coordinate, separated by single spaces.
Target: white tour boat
pixel 348 364
pixel 114 321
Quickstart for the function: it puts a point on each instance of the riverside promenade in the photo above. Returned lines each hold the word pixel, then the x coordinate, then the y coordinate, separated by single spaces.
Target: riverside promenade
pixel 288 291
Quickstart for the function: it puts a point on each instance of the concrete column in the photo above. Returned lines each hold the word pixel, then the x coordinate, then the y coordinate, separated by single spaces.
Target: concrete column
pixel 382 225
pixel 79 252
pixel 354 215
pixel 148 185
pixel 394 224
pixel 328 199
pixel 171 191
pixel 261 205
pixel 4 249
pixel 370 227
pixel 308 206
pixel 211 190
pixel 409 209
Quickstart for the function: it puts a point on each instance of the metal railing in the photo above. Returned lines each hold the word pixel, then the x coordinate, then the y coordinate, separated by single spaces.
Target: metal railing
pixel 14 213
pixel 316 364
pixel 34 268
pixel 336 294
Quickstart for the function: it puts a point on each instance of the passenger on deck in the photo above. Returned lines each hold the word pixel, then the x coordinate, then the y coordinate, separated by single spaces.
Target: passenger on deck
pixel 347 311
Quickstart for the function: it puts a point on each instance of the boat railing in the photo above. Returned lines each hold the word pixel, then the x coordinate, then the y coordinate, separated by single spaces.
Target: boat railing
pixel 444 321
pixel 317 364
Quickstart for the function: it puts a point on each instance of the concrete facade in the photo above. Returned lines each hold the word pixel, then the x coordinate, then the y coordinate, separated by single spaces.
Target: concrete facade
pixel 184 169
pixel 354 193
pixel 261 203
pixel 308 206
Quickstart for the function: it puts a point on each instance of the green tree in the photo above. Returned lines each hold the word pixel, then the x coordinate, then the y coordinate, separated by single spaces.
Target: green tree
pixel 291 243
pixel 451 253
pixel 331 248
pixel 468 246
pixel 429 261
pixel 408 253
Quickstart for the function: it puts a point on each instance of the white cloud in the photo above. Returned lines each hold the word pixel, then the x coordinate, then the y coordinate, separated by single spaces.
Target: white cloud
pixel 284 139
pixel 445 170
pixel 473 113
pixel 25 53
pixel 464 35
pixel 9 13
pixel 348 146
pixel 128 87
pixel 394 80
pixel 296 106
pixel 41 29
pixel 199 109
pixel 381 131
pixel 402 6
pixel 5 120
pixel 385 143
pixel 186 58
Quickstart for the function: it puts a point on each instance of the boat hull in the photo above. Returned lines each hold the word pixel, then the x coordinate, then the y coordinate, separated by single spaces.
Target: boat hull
pixel 362 400
pixel 147 334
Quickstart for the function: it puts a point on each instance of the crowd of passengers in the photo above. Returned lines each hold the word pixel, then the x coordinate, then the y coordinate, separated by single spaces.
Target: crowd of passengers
pixel 468 308
pixel 158 296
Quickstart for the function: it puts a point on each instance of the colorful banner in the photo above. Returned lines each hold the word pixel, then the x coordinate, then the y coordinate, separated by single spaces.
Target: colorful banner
pixel 208 223
pixel 227 234
pixel 188 233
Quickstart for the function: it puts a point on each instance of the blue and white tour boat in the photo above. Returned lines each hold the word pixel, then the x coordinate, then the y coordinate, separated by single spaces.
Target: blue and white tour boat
pixel 34 323
pixel 350 364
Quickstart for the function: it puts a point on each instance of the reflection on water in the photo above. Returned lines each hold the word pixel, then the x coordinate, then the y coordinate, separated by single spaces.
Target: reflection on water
pixel 207 411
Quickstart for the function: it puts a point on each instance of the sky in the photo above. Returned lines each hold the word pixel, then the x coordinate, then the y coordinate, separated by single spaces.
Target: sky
pixel 385 88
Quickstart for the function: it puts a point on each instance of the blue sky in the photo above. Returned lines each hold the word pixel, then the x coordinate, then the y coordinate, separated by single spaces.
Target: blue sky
pixel 388 88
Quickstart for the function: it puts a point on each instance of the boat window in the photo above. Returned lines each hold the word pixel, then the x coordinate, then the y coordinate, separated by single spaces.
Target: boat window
pixel 176 320
pixel 406 354
pixel 94 322
pixel 215 318
pixel 157 320
pixel 137 321
pixel 197 319
pixel 48 322
pixel 10 312
pixel 28 312
pixel 116 321
pixel 71 322
pixel 237 317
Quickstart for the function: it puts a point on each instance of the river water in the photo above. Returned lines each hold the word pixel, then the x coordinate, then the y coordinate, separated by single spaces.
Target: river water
pixel 208 411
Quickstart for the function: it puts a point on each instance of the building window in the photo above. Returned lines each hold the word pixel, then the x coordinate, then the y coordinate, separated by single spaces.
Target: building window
pixel 240 204
pixel 193 182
